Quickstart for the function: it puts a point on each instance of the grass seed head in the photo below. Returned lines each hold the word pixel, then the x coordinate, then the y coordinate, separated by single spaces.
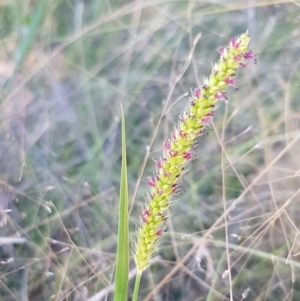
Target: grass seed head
pixel 178 149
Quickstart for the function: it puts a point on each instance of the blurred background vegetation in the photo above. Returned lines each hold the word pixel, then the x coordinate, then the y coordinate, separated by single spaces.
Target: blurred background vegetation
pixel 65 67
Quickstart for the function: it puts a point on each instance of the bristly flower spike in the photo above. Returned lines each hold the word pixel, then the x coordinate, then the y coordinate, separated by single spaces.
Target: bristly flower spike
pixel 178 150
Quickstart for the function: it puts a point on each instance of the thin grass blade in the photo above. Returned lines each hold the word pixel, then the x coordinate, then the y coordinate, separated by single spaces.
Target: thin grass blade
pixel 122 265
pixel 28 39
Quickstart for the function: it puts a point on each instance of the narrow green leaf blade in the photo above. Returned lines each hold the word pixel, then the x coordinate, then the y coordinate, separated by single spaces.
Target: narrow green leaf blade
pixel 122 265
pixel 28 40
